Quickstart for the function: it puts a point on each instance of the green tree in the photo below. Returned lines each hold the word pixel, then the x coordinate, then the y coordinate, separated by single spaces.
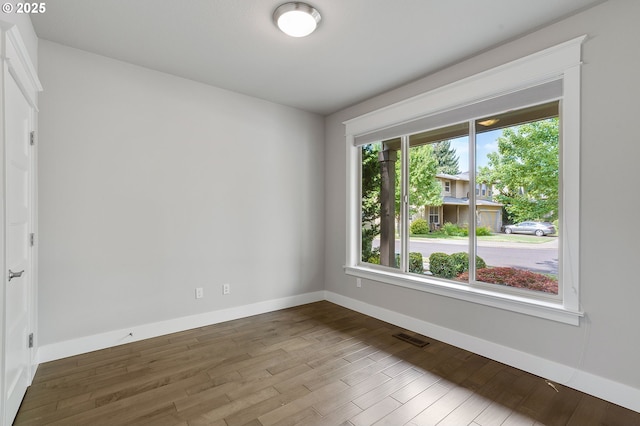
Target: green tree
pixel 446 157
pixel 424 188
pixel 525 171
pixel 370 198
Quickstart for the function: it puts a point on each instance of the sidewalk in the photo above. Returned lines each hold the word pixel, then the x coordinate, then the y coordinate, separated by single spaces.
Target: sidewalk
pixel 551 243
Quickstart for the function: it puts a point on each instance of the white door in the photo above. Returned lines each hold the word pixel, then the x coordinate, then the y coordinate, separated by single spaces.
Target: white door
pixel 17 277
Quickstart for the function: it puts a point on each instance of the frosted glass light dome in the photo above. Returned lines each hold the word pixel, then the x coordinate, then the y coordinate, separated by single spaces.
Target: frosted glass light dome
pixel 296 19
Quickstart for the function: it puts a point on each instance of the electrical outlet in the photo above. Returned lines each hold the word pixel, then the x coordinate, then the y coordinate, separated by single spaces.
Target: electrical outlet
pixel 358 282
pixel 199 293
pixel 226 288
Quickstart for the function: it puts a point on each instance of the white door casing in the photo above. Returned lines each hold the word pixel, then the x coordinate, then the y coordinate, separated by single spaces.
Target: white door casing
pixel 18 207
pixel 18 89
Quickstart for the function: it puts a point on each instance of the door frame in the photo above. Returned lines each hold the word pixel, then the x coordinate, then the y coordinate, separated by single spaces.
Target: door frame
pixel 16 64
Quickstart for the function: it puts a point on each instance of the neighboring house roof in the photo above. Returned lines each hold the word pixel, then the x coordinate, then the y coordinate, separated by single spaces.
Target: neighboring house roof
pixel 465 202
pixel 461 176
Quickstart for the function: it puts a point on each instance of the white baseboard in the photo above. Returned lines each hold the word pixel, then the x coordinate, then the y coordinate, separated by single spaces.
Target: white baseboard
pixel 609 390
pixel 600 387
pixel 118 337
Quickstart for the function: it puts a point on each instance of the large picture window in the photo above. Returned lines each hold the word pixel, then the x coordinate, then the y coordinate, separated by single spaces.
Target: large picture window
pixel 470 200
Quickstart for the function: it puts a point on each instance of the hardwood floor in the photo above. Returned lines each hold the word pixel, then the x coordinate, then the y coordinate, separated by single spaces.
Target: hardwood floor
pixel 317 364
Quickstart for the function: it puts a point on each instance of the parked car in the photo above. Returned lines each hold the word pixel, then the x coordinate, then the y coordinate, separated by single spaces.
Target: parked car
pixel 537 228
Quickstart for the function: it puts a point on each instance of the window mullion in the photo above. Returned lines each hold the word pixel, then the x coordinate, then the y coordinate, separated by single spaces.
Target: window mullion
pixel 354 222
pixel 472 202
pixel 404 205
pixel 519 92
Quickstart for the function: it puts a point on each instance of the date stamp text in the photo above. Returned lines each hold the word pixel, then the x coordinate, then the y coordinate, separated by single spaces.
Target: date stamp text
pixel 30 8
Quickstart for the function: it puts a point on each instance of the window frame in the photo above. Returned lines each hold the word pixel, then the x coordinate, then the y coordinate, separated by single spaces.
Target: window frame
pixel 434 212
pixel 561 62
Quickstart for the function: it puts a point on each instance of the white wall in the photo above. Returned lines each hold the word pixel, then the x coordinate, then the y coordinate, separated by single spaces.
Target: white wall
pixel 153 185
pixel 607 344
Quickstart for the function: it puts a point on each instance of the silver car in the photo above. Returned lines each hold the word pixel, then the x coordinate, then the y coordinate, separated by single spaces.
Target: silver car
pixel 536 228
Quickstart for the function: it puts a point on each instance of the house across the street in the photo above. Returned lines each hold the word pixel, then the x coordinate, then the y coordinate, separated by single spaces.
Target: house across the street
pixel 455 204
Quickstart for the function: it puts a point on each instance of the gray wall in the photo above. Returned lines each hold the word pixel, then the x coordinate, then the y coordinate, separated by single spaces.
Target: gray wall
pixel 29 37
pixel 607 343
pixel 152 185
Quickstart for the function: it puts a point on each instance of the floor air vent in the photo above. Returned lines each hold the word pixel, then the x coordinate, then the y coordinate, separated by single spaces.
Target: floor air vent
pixel 410 339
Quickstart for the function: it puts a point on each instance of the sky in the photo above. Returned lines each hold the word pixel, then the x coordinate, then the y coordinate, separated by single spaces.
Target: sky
pixel 485 143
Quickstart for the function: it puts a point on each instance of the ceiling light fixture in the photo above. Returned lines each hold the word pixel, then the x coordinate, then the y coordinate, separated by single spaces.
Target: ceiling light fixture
pixel 296 19
pixel 489 122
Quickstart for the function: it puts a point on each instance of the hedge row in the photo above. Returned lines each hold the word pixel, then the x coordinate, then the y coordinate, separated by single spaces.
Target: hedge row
pixel 450 266
pixel 416 264
pixel 421 227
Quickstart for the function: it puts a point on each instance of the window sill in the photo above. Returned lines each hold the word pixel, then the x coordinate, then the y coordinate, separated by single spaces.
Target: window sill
pixel 537 308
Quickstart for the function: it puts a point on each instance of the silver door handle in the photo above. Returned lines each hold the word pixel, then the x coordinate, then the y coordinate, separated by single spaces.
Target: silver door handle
pixel 13 275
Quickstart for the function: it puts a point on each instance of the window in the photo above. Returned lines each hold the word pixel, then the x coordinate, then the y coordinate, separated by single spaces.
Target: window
pixel 517 122
pixel 521 160
pixel 434 215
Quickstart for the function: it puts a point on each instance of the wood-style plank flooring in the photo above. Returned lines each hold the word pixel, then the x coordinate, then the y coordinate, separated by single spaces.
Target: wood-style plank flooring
pixel 317 364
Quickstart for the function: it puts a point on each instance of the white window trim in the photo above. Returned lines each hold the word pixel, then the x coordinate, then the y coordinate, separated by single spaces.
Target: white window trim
pixel 558 62
pixel 436 215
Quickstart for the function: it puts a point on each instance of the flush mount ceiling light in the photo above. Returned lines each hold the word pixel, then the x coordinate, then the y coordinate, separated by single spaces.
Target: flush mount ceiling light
pixel 296 19
pixel 489 122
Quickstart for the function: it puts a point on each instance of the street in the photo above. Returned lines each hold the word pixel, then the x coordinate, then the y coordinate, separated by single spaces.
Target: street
pixel 542 258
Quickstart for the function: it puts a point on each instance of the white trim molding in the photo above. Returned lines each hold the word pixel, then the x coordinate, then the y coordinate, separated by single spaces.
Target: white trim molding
pixel 555 68
pixel 607 389
pixel 109 339
pixel 17 67
pixel 537 68
pixel 20 66
pixel 529 306
pixel 566 375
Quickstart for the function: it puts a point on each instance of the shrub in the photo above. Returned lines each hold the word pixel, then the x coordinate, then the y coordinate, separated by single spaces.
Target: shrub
pixel 483 231
pixel 514 278
pixel 416 264
pixel 375 256
pixel 419 227
pixel 461 262
pixel 453 230
pixel 441 265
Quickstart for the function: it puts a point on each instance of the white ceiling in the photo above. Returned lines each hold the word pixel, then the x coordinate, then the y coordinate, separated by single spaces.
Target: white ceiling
pixel 361 48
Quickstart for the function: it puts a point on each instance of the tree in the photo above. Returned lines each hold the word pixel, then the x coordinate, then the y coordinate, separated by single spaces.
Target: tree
pixel 370 198
pixel 446 157
pixel 525 171
pixel 424 188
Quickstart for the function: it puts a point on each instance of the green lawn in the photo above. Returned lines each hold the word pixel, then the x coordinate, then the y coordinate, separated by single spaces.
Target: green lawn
pixel 513 238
